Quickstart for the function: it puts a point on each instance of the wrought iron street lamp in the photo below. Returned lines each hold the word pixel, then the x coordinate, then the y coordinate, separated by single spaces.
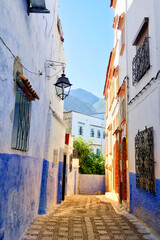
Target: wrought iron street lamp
pixel 63 86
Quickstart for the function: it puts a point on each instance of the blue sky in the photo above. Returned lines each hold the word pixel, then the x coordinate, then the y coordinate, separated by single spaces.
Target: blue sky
pixel 88 40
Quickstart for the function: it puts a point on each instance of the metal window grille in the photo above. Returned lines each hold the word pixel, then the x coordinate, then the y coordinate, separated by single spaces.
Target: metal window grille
pixel 141 62
pixel 80 130
pixel 92 132
pixel 21 124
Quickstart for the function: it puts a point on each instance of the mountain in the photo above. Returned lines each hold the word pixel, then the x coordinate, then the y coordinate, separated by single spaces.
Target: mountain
pixel 100 105
pixel 84 96
pixel 72 103
pixel 82 101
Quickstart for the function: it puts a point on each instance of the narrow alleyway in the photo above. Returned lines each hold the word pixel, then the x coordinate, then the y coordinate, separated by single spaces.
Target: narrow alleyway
pixel 85 217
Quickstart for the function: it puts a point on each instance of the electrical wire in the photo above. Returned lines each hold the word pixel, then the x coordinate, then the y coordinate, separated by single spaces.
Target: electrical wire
pixel 39 73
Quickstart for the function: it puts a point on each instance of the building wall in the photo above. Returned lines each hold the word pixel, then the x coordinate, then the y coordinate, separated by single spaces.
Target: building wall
pixel 115 125
pixel 28 179
pixel 91 184
pixel 75 119
pixel 144 110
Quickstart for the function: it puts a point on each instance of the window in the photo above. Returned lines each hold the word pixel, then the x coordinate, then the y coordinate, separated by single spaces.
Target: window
pixel 98 133
pixel 103 134
pixel 92 132
pixel 98 151
pixel 80 130
pixel 141 61
pixel 21 124
pixel 37 6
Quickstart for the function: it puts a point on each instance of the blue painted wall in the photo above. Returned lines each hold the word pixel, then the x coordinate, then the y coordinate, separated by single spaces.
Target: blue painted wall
pixel 144 205
pixel 60 173
pixel 48 187
pixel 19 193
pixel 27 186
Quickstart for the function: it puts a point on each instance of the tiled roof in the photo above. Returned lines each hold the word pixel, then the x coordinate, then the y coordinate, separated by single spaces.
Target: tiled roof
pixel 26 87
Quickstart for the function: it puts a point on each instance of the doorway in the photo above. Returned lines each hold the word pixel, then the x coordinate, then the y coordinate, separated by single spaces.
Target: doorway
pixel 64 178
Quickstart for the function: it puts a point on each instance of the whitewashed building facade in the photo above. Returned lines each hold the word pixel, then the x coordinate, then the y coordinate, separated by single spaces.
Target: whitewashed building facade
pixel 32 130
pixel 88 127
pixel 143 65
pixel 139 66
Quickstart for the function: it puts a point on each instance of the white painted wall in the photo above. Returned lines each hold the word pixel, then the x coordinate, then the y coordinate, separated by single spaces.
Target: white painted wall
pixel 144 111
pixel 75 119
pixel 34 39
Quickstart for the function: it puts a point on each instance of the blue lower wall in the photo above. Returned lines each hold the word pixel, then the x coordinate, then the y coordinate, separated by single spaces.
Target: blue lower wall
pixel 60 175
pixel 27 186
pixel 20 179
pixel 144 205
pixel 48 187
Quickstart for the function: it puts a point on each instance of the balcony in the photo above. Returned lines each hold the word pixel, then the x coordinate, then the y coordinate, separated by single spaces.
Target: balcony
pixel 141 62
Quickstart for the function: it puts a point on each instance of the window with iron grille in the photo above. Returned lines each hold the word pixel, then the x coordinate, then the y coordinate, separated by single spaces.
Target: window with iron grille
pixel 98 133
pixel 21 124
pixel 80 130
pixel 141 61
pixel 92 132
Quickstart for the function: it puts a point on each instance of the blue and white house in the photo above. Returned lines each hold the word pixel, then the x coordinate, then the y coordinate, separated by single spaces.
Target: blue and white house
pixel 32 130
pixel 143 49
pixel 137 46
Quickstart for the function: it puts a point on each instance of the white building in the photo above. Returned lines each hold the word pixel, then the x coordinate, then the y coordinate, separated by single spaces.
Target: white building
pixel 88 127
pixel 32 133
pixel 143 65
pixel 116 160
pixel 137 31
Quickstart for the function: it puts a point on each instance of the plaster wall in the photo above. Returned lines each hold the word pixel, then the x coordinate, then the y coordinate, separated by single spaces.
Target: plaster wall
pixel 141 13
pixel 68 120
pixel 91 184
pixel 144 111
pixel 114 108
pixel 120 60
pixel 29 180
pixel 72 182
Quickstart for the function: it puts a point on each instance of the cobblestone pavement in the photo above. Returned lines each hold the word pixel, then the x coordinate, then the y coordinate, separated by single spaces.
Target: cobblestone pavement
pixel 84 217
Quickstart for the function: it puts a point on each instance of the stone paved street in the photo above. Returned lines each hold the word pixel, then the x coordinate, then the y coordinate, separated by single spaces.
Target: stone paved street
pixel 85 217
